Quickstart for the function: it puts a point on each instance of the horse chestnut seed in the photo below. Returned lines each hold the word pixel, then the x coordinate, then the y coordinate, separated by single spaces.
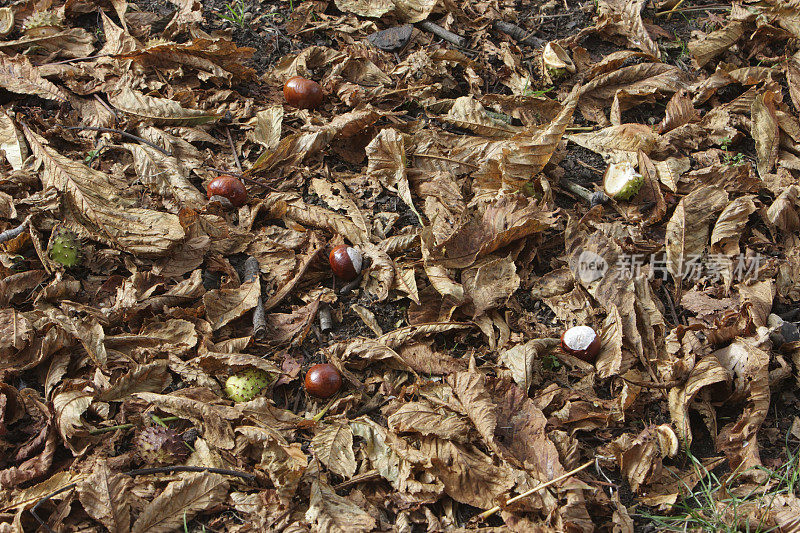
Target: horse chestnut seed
pixel 228 187
pixel 581 342
pixel 345 262
pixel 302 93
pixel 323 380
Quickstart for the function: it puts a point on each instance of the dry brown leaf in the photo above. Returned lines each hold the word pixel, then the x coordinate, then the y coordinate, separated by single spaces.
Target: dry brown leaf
pixel 193 405
pixel 333 446
pixel 489 283
pixel 18 75
pixel 267 127
pixel 522 360
pixel 749 366
pixel 154 110
pixel 74 42
pixel 619 143
pixel 469 475
pixel 331 512
pixel 90 203
pixel 626 87
pixel 706 373
pixel 105 497
pixel 469 114
pixel 426 419
pixel 180 501
pixel 224 305
pixel 217 59
pixel 688 231
pixel 16 332
pixel 679 111
pixel 12 143
pixel 765 131
pixel 715 43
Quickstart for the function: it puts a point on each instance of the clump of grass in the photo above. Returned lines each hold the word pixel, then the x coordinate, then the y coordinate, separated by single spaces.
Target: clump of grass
pixel 713 505
pixel 235 14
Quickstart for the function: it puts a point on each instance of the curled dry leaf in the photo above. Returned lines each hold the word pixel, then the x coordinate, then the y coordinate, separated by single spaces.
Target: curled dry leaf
pixel 180 501
pixel 90 201
pixel 333 446
pixel 334 513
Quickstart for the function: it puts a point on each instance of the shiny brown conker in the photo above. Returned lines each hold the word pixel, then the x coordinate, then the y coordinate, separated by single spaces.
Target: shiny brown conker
pixel 346 262
pixel 302 93
pixel 323 380
pixel 228 187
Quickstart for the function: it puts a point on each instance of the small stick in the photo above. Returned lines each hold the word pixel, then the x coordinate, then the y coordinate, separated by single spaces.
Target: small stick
pixel 177 468
pixel 100 431
pixel 486 514
pixel 74 60
pixel 669 12
pixel 589 196
pixel 124 134
pixel 325 318
pixel 251 271
pixel 651 385
pixel 233 149
pixel 13 233
pixel 579 128
pixel 108 107
pixel 692 8
pixel 442 33
pixel 360 478
pixel 517 33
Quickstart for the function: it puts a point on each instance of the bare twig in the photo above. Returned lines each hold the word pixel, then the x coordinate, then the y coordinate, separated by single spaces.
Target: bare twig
pixel 360 478
pixel 442 33
pixel 124 134
pixel 692 8
pixel 109 429
pixel 233 149
pixel 178 468
pixel 517 33
pixel 13 233
pixel 486 514
pixel 251 271
pixel 593 198
pixel 74 60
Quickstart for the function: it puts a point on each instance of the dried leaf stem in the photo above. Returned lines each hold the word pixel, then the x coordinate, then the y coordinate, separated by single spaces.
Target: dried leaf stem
pixel 124 134
pixel 100 431
pixel 486 514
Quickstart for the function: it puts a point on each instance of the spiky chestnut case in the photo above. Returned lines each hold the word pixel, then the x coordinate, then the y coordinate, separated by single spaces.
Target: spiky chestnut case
pixel 158 446
pixel 64 248
pixel 244 386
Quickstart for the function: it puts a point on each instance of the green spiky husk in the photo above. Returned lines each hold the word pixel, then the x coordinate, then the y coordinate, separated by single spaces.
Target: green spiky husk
pixel 64 248
pixel 245 386
pixel 156 445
